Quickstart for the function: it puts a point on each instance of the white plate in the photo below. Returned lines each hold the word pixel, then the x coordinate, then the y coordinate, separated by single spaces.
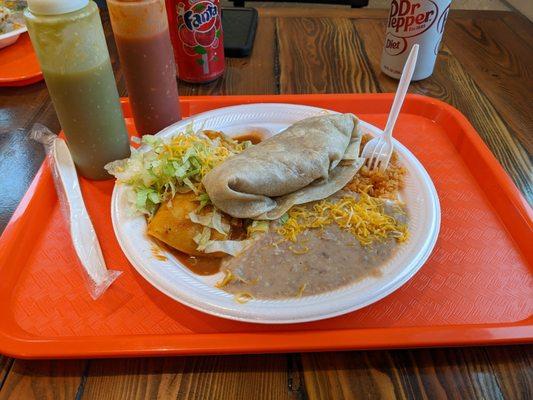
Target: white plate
pixel 8 38
pixel 176 281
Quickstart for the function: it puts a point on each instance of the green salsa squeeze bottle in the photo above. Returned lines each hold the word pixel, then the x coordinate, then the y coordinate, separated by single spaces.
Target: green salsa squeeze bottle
pixel 68 38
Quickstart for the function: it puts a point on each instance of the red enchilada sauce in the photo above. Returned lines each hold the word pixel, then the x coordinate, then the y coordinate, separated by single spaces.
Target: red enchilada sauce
pixel 197 265
pixel 253 136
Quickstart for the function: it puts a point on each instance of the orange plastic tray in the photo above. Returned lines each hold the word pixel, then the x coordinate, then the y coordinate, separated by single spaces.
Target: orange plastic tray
pixel 18 64
pixel 475 289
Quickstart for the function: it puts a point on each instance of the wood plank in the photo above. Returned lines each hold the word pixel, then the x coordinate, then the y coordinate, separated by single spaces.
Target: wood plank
pixel 463 373
pixel 372 34
pixel 453 83
pixel 134 378
pixel 322 55
pixel 37 108
pixel 521 26
pixel 513 368
pixel 51 379
pixel 20 159
pixel 310 11
pixel 5 367
pixel 502 67
pixel 320 12
pixel 351 375
pixel 295 377
pixel 237 377
pixel 255 74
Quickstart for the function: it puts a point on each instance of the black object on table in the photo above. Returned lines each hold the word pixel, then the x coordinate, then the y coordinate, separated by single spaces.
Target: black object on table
pixel 239 26
pixel 102 4
pixel 352 3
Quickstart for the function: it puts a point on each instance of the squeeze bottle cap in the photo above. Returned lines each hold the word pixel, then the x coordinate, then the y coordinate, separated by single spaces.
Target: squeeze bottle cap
pixel 55 7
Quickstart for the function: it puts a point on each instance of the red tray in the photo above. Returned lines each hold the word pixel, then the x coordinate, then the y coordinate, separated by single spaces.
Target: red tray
pixel 475 289
pixel 18 63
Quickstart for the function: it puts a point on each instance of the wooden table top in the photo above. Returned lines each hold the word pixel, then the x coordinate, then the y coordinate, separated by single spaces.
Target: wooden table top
pixel 484 69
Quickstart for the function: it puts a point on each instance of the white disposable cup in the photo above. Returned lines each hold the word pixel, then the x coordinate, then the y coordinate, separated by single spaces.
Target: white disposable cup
pixel 414 22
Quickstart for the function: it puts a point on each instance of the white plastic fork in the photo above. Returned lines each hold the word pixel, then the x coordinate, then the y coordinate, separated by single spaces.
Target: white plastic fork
pixel 378 150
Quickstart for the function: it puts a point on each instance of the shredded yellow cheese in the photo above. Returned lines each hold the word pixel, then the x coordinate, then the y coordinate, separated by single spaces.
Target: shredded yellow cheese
pixel 228 278
pixel 301 290
pixel 243 297
pixel 257 227
pixel 364 218
pixel 299 251
pixel 201 150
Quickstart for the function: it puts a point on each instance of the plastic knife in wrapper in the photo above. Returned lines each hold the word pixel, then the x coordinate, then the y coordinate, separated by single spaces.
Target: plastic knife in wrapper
pixel 82 232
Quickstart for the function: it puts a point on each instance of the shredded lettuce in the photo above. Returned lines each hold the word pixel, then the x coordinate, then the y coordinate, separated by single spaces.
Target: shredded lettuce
pixel 258 227
pixel 234 247
pixel 204 200
pixel 164 167
pixel 212 220
pixel 283 219
pixel 231 247
pixel 202 239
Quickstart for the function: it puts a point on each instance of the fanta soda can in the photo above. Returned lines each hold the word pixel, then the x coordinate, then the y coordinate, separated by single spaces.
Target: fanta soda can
pixel 196 34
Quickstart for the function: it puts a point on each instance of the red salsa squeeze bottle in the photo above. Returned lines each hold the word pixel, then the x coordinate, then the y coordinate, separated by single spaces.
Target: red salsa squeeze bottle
pixel 196 33
pixel 143 42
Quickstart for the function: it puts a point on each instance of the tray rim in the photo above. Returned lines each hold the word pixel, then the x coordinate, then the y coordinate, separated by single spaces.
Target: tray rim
pixel 25 346
pixel 27 78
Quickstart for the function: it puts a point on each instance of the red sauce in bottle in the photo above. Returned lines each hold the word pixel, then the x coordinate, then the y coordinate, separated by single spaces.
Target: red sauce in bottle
pixel 146 56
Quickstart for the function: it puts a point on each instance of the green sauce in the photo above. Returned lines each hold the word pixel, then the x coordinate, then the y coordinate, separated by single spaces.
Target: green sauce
pixel 87 105
pixel 75 62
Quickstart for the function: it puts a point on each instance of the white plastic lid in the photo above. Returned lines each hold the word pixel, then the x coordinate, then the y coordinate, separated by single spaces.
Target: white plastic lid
pixel 54 7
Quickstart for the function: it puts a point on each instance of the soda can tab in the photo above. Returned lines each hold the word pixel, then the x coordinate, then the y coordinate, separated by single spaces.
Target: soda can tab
pixel 414 22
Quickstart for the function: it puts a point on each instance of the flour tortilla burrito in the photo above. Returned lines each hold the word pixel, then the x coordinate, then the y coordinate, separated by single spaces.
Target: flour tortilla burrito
pixel 309 161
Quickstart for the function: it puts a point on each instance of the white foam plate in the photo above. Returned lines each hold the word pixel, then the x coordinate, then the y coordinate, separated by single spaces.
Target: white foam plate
pixel 8 38
pixel 198 292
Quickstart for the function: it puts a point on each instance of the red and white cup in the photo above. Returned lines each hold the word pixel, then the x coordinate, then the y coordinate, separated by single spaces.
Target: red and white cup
pixel 414 22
